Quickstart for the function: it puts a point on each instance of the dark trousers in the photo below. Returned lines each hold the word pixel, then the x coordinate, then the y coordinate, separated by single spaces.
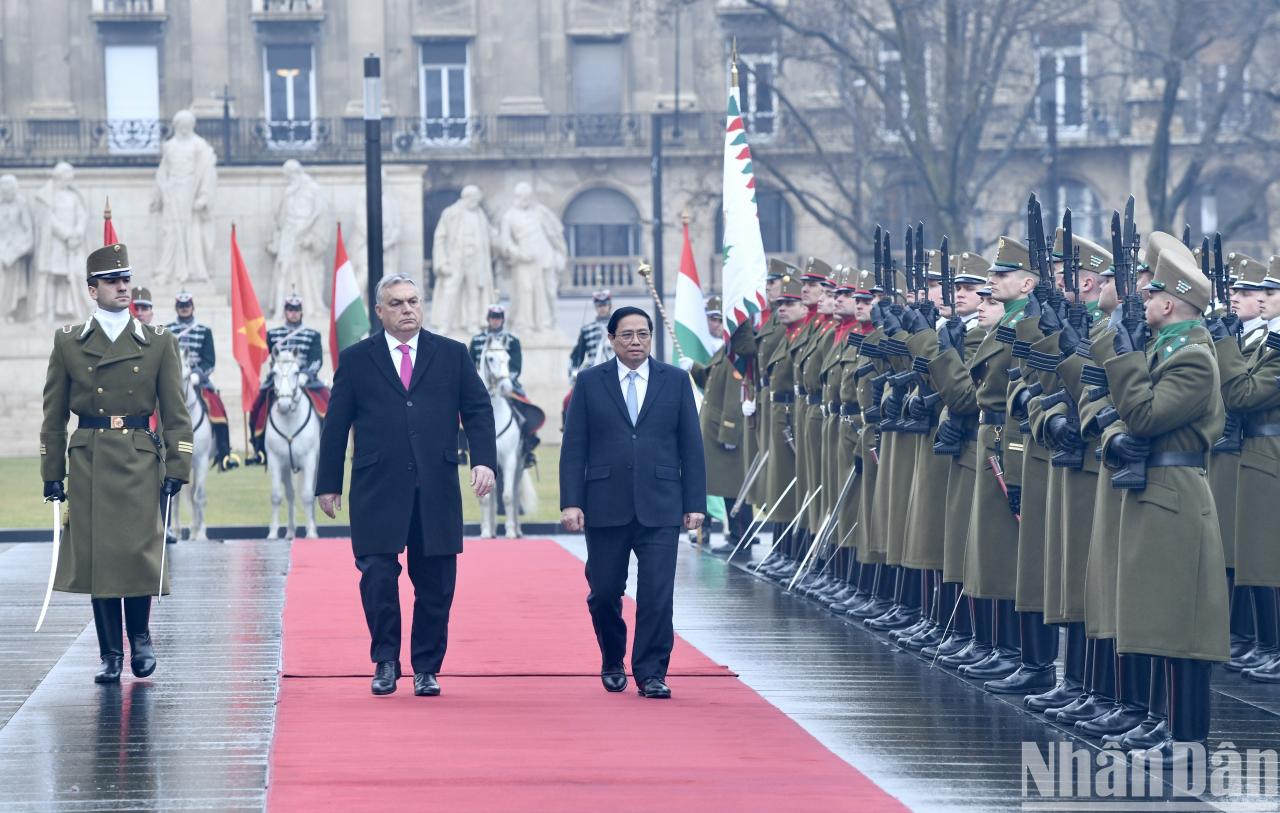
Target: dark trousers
pixel 608 558
pixel 735 527
pixel 433 580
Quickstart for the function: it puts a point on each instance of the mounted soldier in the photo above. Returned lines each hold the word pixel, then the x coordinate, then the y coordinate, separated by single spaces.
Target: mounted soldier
pixel 196 341
pixel 531 417
pixel 306 345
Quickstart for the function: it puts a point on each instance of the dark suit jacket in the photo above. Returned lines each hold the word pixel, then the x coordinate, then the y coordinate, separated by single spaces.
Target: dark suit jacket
pixel 614 471
pixel 405 441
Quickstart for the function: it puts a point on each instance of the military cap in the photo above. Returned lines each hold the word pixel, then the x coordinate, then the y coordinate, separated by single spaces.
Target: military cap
pixel 934 270
pixel 293 302
pixel 602 297
pixel 1272 280
pixel 816 270
pixel 497 310
pixel 184 299
pixel 1246 273
pixel 1011 256
pixel 863 281
pixel 985 292
pixel 1178 275
pixel 1093 257
pixel 714 306
pixel 844 278
pixel 1159 242
pixel 970 268
pixel 108 262
pixel 780 268
pixel 141 296
pixel 791 286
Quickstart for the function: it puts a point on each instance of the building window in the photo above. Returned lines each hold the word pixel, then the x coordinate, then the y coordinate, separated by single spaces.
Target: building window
pixel 290 94
pixel 1210 87
pixel 777 223
pixel 1061 62
pixel 445 82
pixel 1086 211
pixel 1230 203
pixel 602 228
pixel 133 99
pixel 896 102
pixel 597 75
pixel 757 72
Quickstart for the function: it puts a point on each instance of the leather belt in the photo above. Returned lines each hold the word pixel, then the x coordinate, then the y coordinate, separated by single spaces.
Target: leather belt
pixel 114 421
pixel 833 407
pixel 782 398
pixel 1262 430
pixel 990 418
pixel 1195 460
pixel 764 381
pixel 813 398
pixel 801 392
pixel 849 409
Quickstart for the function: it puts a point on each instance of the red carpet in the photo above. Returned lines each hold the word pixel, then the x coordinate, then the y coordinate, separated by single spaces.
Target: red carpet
pixel 522 732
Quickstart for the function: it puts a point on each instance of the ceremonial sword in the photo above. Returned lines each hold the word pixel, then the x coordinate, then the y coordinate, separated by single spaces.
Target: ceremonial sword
pixel 53 562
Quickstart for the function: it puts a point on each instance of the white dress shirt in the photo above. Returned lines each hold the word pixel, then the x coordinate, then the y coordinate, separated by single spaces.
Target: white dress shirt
pixel 393 344
pixel 112 323
pixel 642 382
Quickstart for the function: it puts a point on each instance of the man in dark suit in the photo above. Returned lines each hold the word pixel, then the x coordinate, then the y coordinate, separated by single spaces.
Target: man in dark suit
pixel 631 473
pixel 403 390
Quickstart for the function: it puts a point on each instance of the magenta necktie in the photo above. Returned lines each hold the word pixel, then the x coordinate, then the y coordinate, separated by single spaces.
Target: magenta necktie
pixel 406 366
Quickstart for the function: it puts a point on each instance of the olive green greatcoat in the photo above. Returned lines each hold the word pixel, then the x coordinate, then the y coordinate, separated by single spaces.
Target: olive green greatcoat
pixel 800 421
pixel 869 538
pixel 1171 579
pixel 1033 527
pixel 112 540
pixel 1224 469
pixel 766 343
pixel 721 423
pixel 781 468
pixel 1249 385
pixel 849 454
pixel 893 486
pixel 832 473
pixel 951 376
pixel 1104 533
pixel 924 530
pixel 810 366
pixel 991 547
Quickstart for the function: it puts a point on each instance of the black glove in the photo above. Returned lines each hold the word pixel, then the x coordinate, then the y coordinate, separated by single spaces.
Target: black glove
pixel 892 324
pixel 918 410
pixel 1015 500
pixel 53 491
pixel 1273 340
pixel 1068 338
pixel 1033 309
pixel 914 321
pixel 172 485
pixel 1127 448
pixel 891 407
pixel 1018 406
pixel 1062 434
pixel 1233 325
pixel 950 433
pixel 877 314
pixel 1134 341
pixel 1217 329
pixel 1050 320
pixel 952 335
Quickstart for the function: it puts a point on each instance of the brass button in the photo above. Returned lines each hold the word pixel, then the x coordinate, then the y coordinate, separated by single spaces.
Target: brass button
pixel 99 411
pixel 99 390
pixel 100 431
pixel 126 431
pixel 90 368
pixel 136 369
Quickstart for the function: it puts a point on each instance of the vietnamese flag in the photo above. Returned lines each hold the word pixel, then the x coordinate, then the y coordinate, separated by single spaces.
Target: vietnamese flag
pixel 249 328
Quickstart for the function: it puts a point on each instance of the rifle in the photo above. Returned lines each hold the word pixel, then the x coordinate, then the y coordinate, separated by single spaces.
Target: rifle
pixel 890 275
pixel 1220 282
pixel 1232 439
pixel 877 267
pixel 1204 269
pixel 1124 244
pixel 1186 235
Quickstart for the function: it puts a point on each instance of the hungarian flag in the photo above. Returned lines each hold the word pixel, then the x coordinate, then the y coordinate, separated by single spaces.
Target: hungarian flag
pixel 249 329
pixel 348 318
pixel 744 259
pixel 695 340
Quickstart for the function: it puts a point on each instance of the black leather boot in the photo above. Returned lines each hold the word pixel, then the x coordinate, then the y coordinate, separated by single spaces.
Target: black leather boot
pixel 1071 684
pixel 927 626
pixel 1268 672
pixel 1188 704
pixel 980 646
pixel 1103 696
pixel 107 622
pixel 881 600
pixel 1266 647
pixel 906 609
pixel 956 616
pixel 1133 684
pixel 1036 671
pixel 1006 656
pixel 1155 728
pixel 1241 614
pixel 137 618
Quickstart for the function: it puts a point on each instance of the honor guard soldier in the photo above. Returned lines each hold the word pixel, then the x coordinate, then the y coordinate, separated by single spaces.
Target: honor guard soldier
pixel 531 417
pixel 113 372
pixel 592 348
pixel 141 306
pixel 792 316
pixel 306 346
pixel 196 343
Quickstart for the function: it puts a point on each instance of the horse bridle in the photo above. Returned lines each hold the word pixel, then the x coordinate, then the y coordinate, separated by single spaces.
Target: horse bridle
pixel 289 439
pixel 511 417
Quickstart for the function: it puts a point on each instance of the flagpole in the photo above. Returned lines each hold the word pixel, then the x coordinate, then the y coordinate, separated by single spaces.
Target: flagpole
pixel 373 174
pixel 655 175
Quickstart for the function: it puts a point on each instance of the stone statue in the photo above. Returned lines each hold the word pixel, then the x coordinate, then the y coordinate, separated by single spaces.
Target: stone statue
pixel 532 240
pixel 185 185
pixel 358 248
pixel 62 224
pixel 17 239
pixel 462 259
pixel 300 241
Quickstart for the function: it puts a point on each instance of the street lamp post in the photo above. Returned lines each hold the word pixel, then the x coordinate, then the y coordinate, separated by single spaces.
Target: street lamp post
pixel 373 174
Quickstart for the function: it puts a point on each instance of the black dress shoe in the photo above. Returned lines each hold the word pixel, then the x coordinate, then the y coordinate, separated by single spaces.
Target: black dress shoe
pixel 953 643
pixel 1150 733
pixel 1002 663
pixel 974 652
pixel 614 678
pixel 655 688
pixel 1088 707
pixel 1122 718
pixel 384 677
pixel 1267 673
pixel 1260 655
pixel 112 665
pixel 425 684
pixel 1060 696
pixel 1025 680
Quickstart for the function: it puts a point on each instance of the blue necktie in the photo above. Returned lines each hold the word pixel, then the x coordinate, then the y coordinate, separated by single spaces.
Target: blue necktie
pixel 633 408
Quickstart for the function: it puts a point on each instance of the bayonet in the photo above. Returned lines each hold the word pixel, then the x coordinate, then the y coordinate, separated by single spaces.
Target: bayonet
pixel 1208 273
pixel 1186 235
pixel 1220 271
pixel 879 265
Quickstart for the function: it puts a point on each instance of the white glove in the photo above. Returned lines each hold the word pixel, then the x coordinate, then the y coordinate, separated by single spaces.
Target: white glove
pixel 748 408
pixel 194 377
pixel 303 378
pixel 686 363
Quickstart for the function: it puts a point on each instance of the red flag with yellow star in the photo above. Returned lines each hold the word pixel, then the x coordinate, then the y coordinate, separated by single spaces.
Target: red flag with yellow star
pixel 249 328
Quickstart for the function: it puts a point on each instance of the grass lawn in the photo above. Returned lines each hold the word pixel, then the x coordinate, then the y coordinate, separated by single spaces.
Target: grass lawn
pixel 243 496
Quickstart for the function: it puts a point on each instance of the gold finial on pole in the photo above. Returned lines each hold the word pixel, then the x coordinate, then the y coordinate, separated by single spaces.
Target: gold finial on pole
pixel 684 216
pixel 106 212
pixel 733 62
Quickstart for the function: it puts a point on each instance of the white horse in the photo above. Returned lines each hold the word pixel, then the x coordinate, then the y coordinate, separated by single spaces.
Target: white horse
pixel 517 489
pixel 293 445
pixel 201 457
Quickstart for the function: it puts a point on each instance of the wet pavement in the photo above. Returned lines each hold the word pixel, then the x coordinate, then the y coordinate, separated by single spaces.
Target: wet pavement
pixel 197 734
